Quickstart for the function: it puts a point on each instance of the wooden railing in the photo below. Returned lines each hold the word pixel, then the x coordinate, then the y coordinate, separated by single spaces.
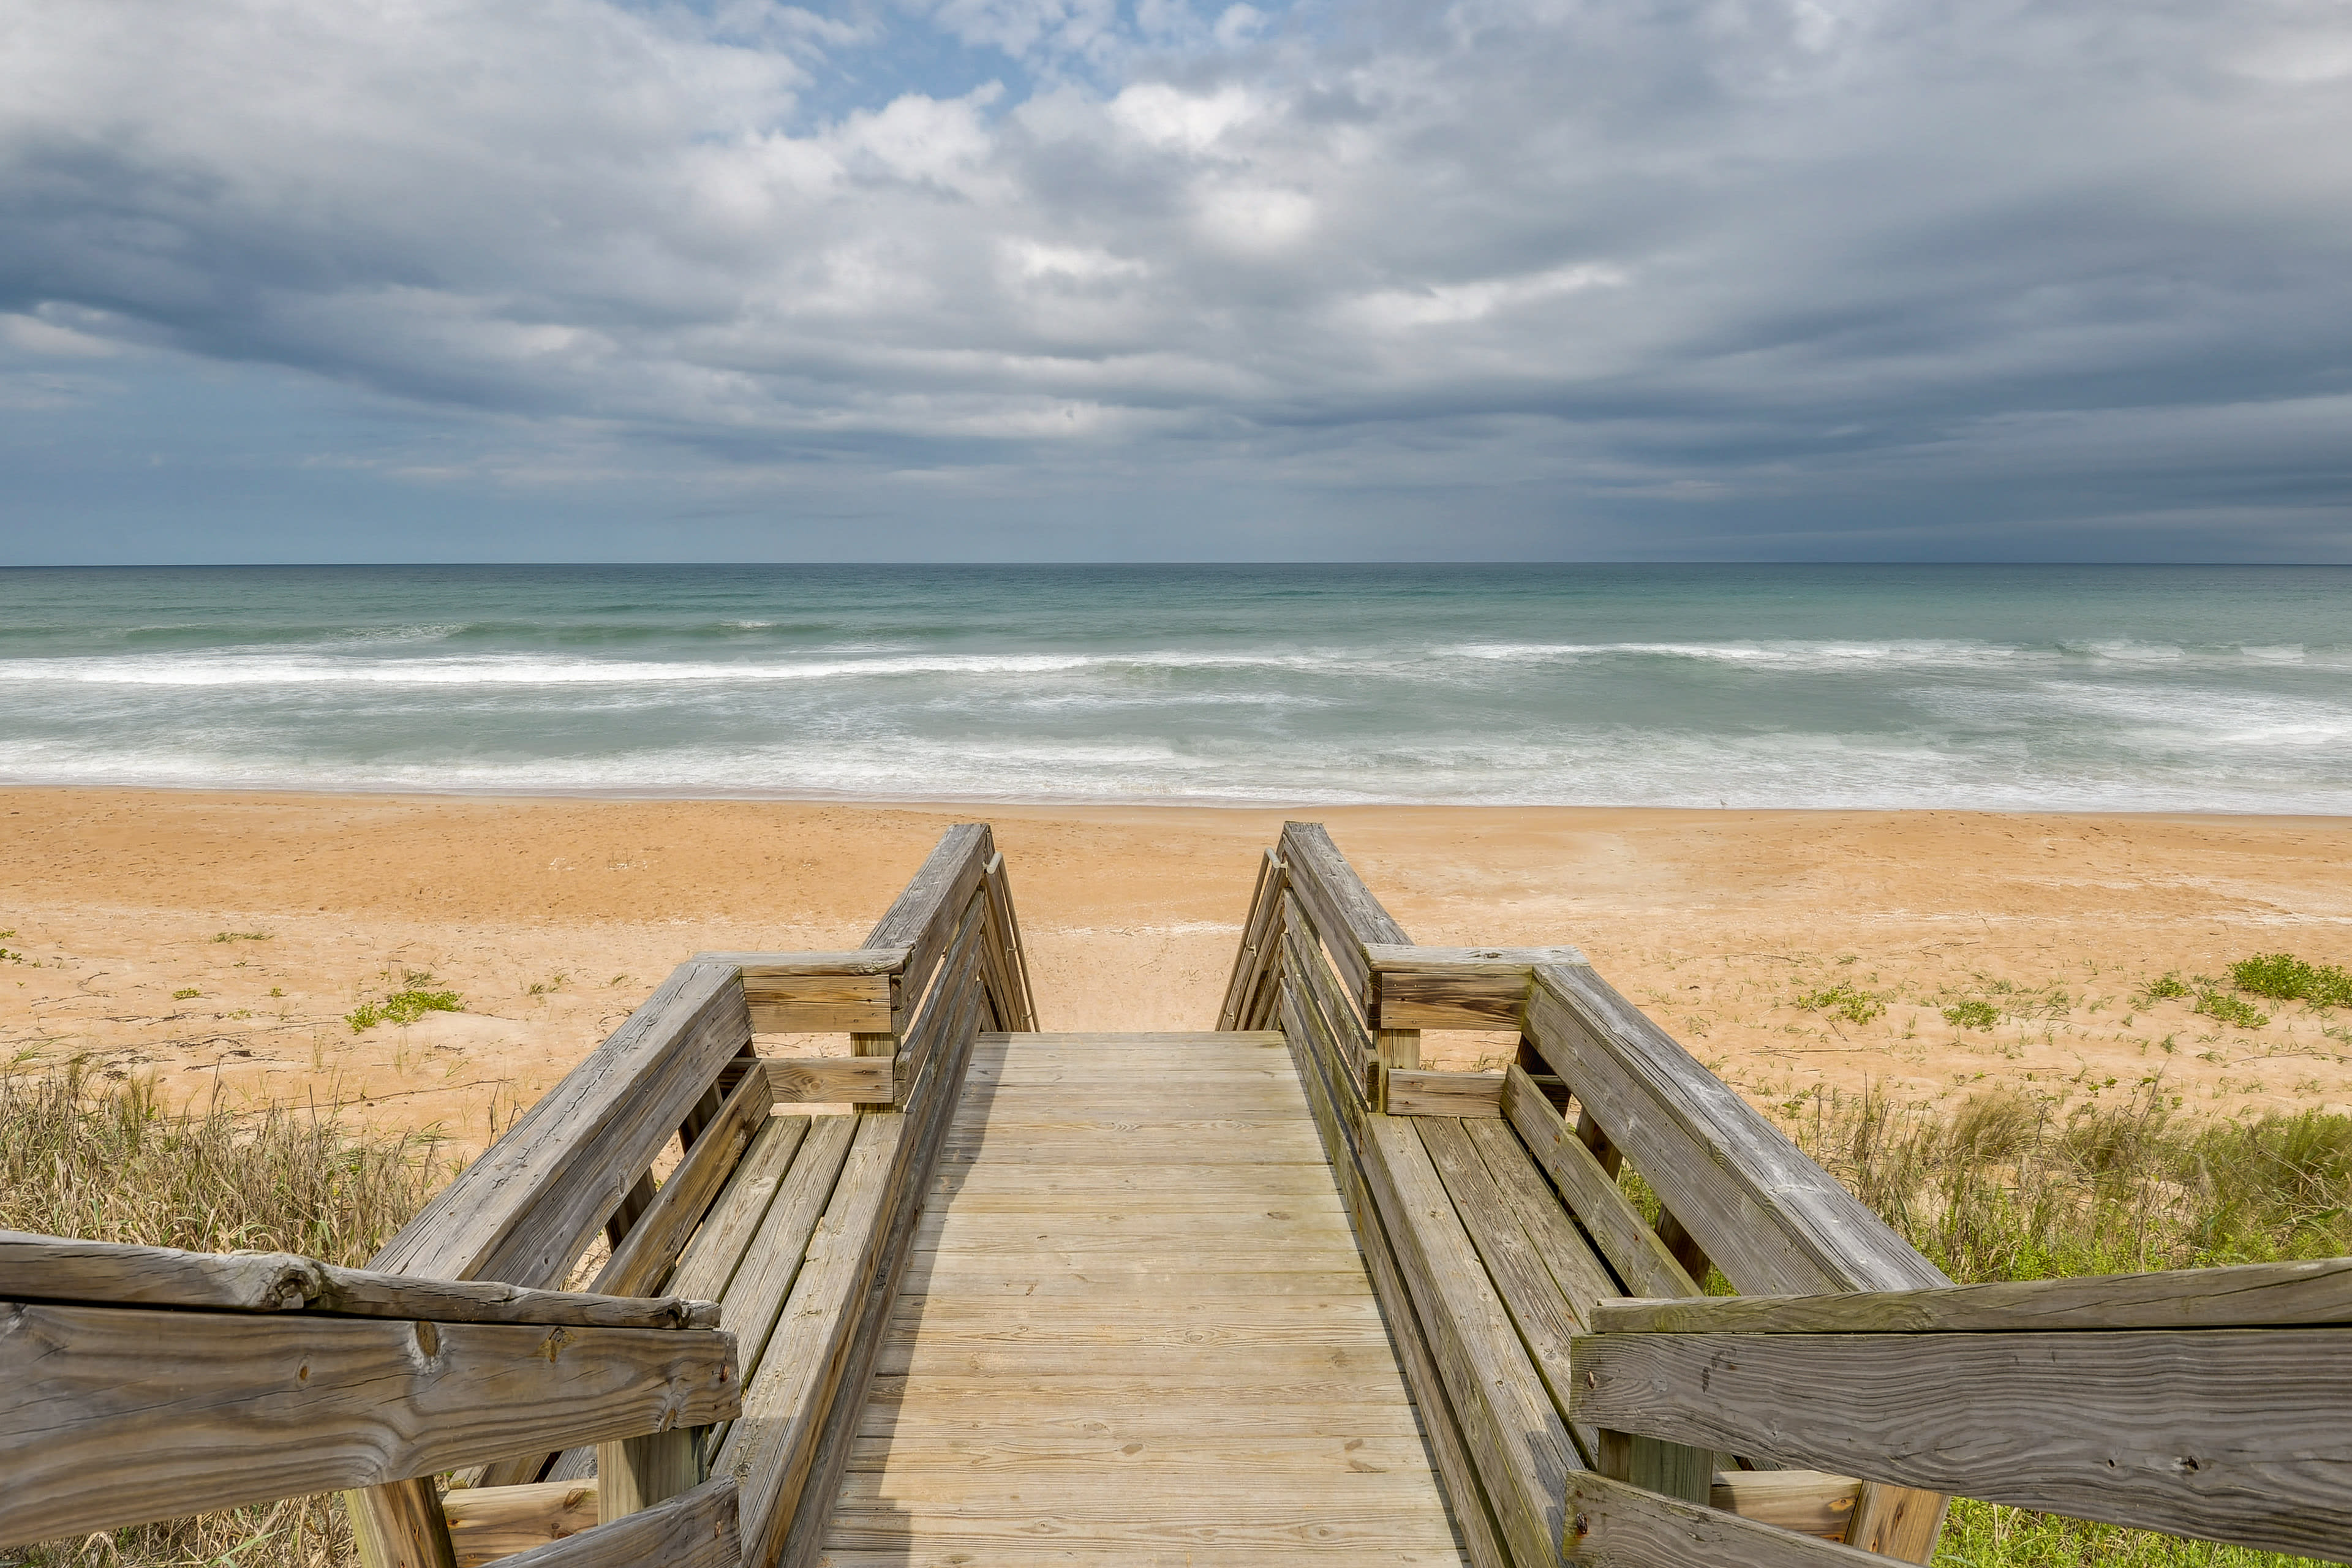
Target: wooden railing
pixel 137 1383
pixel 1569 1422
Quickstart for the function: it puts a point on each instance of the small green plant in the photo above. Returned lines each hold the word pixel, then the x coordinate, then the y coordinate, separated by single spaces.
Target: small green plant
pixel 242 936
pixel 2167 987
pixel 403 1007
pixel 547 987
pixel 2287 978
pixel 276 991
pixel 2229 1009
pixel 1971 1015
pixel 6 956
pixel 1848 1001
pixel 184 993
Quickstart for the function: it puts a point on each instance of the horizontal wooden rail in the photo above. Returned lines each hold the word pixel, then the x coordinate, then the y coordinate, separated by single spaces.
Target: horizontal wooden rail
pixel 116 1415
pixel 850 992
pixel 99 1273
pixel 2204 1403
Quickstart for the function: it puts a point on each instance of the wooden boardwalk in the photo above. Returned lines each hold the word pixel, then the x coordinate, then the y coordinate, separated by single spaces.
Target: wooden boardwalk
pixel 1136 1329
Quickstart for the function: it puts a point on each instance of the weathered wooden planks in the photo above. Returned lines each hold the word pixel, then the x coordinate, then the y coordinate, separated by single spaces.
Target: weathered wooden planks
pixel 924 918
pixel 830 1080
pixel 489 1522
pixel 100 1273
pixel 2251 1295
pixel 247 1408
pixel 2223 1433
pixel 1614 1525
pixel 1455 987
pixel 1772 1219
pixel 1342 908
pixel 1810 1503
pixel 1592 1194
pixel 1144 1369
pixel 1414 1093
pixel 818 992
pixel 661 1233
pixel 526 1208
pixel 695 1529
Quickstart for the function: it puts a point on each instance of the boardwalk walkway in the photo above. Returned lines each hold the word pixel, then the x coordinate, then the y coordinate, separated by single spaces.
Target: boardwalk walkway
pixel 1136 1329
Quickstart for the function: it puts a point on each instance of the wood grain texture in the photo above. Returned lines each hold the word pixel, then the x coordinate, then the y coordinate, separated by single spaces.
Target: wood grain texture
pixel 817 993
pixel 1518 1439
pixel 1417 1092
pixel 1592 1194
pixel 2222 1434
pixel 525 1210
pixel 96 1429
pixel 1614 1525
pixel 954 1455
pixel 755 1298
pixel 924 917
pixel 1344 913
pixel 61 1268
pixel 697 1530
pixel 830 1080
pixel 489 1522
pixel 1455 987
pixel 2252 1295
pixel 1772 1220
pixel 715 1251
pixel 1811 1502
pixel 661 1233
pixel 400 1525
pixel 1260 930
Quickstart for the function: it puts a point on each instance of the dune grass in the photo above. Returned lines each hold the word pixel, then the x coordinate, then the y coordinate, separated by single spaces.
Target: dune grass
pixel 93 1156
pixel 2008 1188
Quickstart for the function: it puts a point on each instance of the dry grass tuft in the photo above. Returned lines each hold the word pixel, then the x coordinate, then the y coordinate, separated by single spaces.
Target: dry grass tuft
pixel 90 1157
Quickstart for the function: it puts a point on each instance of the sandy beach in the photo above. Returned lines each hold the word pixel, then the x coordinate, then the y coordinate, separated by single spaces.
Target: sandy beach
pixel 218 942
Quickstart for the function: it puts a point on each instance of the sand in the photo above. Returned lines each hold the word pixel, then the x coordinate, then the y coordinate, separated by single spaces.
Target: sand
pixel 218 942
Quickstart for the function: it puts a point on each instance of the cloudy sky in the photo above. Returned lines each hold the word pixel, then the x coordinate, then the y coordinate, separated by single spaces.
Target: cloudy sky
pixel 1070 279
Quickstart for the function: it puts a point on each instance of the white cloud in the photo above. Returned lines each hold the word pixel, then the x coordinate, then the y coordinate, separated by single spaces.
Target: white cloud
pixel 1681 244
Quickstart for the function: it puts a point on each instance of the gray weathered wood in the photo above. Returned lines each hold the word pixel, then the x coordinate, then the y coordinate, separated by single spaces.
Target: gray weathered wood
pixel 2250 1295
pixel 697 1530
pixel 1614 1525
pixel 926 915
pixel 114 1415
pixel 1520 1442
pixel 830 1080
pixel 526 1208
pixel 1772 1220
pixel 662 1232
pixel 768 1450
pixel 1417 1092
pixel 1455 987
pixel 2232 1435
pixel 1616 1226
pixel 817 993
pixel 1256 955
pixel 1004 931
pixel 62 1268
pixel 634 1473
pixel 1343 909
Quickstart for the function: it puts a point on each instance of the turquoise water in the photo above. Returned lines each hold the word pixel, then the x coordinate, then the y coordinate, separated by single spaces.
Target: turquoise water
pixel 2218 689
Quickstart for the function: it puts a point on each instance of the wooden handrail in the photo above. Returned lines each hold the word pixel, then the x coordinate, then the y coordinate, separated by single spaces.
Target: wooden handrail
pixel 2201 1402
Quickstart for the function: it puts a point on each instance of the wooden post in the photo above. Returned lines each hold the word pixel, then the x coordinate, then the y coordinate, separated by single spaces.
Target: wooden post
pixel 637 1472
pixel 401 1526
pixel 1654 1465
pixel 1395 1049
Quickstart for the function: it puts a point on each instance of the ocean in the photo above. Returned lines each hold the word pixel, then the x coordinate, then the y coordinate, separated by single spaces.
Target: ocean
pixel 2095 687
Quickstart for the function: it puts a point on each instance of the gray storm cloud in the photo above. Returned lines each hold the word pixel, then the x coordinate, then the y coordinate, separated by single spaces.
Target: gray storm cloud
pixel 1704 279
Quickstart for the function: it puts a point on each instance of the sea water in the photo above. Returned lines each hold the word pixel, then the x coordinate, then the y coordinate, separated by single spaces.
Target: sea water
pixel 2133 689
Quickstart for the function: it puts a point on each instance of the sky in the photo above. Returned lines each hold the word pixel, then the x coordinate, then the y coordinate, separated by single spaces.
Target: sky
pixel 1144 279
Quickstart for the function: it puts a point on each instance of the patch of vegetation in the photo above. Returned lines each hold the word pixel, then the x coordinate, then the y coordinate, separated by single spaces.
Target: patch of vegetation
pixel 403 1007
pixel 2167 987
pixel 2229 1009
pixel 242 936
pixel 1848 1001
pixel 1972 1014
pixel 184 993
pixel 2287 978
pixel 1991 1535
pixel 88 1156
